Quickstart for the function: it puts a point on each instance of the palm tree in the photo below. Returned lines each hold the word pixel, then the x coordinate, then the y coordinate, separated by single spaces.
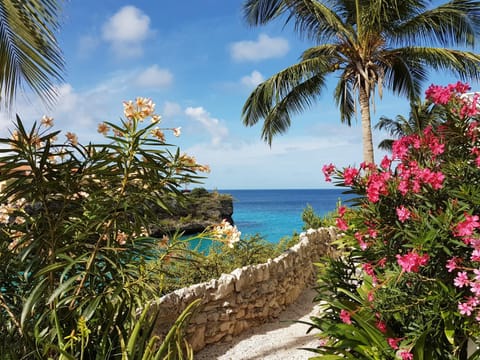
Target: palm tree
pixel 422 114
pixel 369 44
pixel 29 52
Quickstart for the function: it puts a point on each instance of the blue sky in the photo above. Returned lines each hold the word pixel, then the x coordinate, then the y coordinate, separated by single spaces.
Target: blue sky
pixel 198 61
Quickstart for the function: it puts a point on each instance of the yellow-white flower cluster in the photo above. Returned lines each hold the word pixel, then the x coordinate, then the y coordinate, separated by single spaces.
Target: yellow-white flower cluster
pixel 226 232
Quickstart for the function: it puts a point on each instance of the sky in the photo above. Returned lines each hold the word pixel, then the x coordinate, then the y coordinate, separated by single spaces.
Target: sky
pixel 198 60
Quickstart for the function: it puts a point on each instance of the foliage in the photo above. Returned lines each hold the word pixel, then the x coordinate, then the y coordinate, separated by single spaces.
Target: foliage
pixel 421 115
pixel 222 258
pixel 29 49
pixel 74 235
pixel 369 46
pixel 313 221
pixel 406 286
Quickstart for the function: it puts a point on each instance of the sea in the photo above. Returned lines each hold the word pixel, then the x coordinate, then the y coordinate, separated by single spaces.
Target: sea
pixel 274 214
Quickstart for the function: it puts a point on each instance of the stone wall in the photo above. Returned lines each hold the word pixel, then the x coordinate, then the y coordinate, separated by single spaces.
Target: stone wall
pixel 248 296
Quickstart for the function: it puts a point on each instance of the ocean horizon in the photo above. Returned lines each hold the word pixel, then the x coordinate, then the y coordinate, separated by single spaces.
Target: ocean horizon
pixel 276 213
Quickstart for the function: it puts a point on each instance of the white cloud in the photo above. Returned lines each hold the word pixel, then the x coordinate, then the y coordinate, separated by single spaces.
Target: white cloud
pixel 265 47
pixel 126 30
pixel 171 109
pixel 213 126
pixel 290 162
pixel 154 77
pixel 253 79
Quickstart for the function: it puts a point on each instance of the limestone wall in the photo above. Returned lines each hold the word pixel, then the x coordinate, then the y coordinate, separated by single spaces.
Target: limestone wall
pixel 248 296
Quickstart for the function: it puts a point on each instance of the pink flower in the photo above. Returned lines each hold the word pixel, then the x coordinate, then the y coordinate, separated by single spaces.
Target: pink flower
pixel 477 274
pixel 386 162
pixel 327 171
pixel 368 268
pixel 411 261
pixel 382 326
pixel 465 308
pixel 406 355
pixel 341 211
pixel 466 227
pixel 461 280
pixel 377 185
pixel 475 288
pixel 400 148
pixel 341 224
pixel 359 236
pixel 393 342
pixel 345 316
pixel 475 255
pixel 403 213
pixel 452 264
pixel 349 175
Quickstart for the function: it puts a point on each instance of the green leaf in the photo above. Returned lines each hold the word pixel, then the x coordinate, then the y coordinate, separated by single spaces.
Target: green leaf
pixel 30 303
pixel 448 326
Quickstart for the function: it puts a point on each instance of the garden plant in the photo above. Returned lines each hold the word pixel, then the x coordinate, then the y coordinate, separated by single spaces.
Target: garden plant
pixel 406 282
pixel 76 254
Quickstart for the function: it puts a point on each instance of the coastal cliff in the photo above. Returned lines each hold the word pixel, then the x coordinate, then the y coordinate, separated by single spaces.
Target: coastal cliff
pixel 199 210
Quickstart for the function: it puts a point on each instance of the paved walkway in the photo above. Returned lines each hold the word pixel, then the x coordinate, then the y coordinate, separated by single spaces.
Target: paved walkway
pixel 278 340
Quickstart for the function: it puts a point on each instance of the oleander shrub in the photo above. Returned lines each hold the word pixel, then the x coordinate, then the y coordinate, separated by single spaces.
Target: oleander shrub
pixel 75 245
pixel 407 284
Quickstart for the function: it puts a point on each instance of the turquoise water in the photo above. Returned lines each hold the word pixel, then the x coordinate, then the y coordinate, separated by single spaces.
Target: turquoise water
pixel 278 213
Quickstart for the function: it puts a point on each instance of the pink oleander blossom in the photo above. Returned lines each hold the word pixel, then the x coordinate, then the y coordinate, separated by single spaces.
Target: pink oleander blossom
pixel 382 326
pixel 349 175
pixel 386 163
pixel 452 263
pixel 328 171
pixel 403 213
pixel 400 148
pixel 465 308
pixel 475 288
pixel 462 279
pixel 406 355
pixel 475 255
pixel 341 224
pixel 361 242
pixel 393 342
pixel 466 227
pixel 377 185
pixel 345 316
pixel 412 261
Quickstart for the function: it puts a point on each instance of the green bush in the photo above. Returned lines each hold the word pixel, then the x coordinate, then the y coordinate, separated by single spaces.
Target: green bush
pixel 313 221
pixel 221 258
pixel 406 285
pixel 74 236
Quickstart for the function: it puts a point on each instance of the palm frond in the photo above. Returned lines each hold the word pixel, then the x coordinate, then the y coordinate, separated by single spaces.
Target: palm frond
pixel 344 98
pixel 404 75
pixel 260 12
pixel 452 24
pixel 297 100
pixel 464 64
pixel 273 90
pixel 29 50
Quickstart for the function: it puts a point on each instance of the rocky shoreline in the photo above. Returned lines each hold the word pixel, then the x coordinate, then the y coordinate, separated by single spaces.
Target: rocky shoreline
pixel 198 210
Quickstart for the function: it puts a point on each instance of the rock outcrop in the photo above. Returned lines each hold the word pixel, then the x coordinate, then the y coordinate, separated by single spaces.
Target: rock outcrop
pixel 198 210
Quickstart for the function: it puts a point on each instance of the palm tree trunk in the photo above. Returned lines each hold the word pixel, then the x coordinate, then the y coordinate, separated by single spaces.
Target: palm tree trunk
pixel 364 99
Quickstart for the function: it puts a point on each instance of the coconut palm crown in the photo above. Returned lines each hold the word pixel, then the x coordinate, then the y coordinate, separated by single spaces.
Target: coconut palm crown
pixel 29 52
pixel 369 45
